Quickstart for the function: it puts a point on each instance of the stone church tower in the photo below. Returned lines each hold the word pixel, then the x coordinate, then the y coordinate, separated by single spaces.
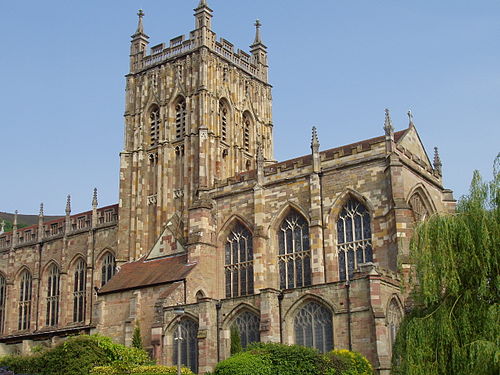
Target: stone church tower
pixel 197 112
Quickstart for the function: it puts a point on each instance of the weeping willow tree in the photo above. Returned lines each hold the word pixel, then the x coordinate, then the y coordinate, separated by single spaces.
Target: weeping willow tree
pixel 455 326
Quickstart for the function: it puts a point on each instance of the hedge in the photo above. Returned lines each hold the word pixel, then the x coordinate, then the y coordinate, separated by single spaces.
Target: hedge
pixel 245 363
pixel 139 370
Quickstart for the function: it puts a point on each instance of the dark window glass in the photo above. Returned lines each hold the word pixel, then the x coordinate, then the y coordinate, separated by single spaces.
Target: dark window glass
pixel 313 327
pixel 239 262
pixel 248 324
pixel 188 344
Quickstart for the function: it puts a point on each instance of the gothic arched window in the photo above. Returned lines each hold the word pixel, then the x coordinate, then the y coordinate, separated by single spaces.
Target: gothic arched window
pixel 180 118
pixel 189 344
pixel 313 327
pixel 108 268
pixel 223 114
pixel 3 295
pixel 294 252
pixel 24 301
pixel 418 207
pixel 248 325
pixel 239 262
pixel 53 292
pixel 394 318
pixel 247 124
pixel 154 126
pixel 354 238
pixel 79 291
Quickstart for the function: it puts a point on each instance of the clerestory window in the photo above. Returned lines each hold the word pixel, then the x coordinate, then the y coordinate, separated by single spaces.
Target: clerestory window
pixel 24 301
pixel 80 277
pixel 53 293
pixel 108 268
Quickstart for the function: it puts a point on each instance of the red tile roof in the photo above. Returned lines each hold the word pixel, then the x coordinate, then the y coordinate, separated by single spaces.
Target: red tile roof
pixel 145 273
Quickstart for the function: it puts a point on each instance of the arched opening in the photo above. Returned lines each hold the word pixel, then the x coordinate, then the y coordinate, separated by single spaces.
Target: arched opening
pixel 154 126
pixel 313 327
pixel 354 238
pixel 247 126
pixel 188 344
pixel 247 326
pixel 223 120
pixel 53 295
pixel 394 318
pixel 108 268
pixel 25 295
pixel 294 251
pixel 80 277
pixel 180 118
pixel 238 265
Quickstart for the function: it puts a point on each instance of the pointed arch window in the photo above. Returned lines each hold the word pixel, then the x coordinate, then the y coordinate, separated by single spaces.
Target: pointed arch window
pixel 313 327
pixel 223 117
pixel 80 277
pixel 180 118
pixel 247 124
pixel 239 262
pixel 394 318
pixel 248 324
pixel 154 126
pixel 354 238
pixel 3 295
pixel 420 212
pixel 189 344
pixel 53 294
pixel 25 301
pixel 108 268
pixel 294 252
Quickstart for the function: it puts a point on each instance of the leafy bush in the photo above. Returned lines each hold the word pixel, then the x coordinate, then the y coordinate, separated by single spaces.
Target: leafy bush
pixel 235 340
pixel 289 359
pixel 21 364
pixel 345 362
pixel 139 370
pixel 245 363
pixel 137 338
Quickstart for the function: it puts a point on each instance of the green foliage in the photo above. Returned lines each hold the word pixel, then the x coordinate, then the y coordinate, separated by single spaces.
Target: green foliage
pixel 245 363
pixel 455 328
pixel 136 337
pixel 345 362
pixel 77 356
pixel 235 340
pixel 289 359
pixel 140 370
pixel 9 226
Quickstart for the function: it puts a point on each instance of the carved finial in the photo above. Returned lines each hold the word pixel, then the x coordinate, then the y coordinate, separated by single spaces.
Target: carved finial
pixel 260 152
pixel 68 205
pixel 15 219
pixel 40 214
pixel 94 198
pixel 314 140
pixel 388 123
pixel 437 161
pixel 258 39
pixel 140 26
pixel 203 3
pixel 410 118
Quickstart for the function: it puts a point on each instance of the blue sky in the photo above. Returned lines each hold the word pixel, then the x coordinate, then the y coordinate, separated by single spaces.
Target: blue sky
pixel 333 64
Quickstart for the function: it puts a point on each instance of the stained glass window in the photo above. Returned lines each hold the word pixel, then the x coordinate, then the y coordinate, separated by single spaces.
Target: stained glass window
pixel 239 262
pixel 354 238
pixel 188 344
pixel 294 252
pixel 248 324
pixel 313 327
pixel 24 301
pixel 108 268
pixel 79 291
pixel 417 205
pixel 53 293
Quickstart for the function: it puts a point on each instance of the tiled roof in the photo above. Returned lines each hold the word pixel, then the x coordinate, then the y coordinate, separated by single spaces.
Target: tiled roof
pixel 148 273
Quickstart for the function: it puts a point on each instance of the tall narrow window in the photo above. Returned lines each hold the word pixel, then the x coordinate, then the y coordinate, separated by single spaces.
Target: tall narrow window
pixel 3 294
pixel 53 296
pixel 354 238
pixel 24 301
pixel 188 345
pixel 394 318
pixel 313 327
pixel 247 325
pixel 294 252
pixel 223 113
pixel 180 118
pixel 420 212
pixel 154 126
pixel 247 122
pixel 108 268
pixel 79 291
pixel 239 262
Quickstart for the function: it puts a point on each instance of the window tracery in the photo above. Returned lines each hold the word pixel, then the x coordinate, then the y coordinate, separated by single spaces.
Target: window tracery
pixel 80 277
pixel 108 268
pixel 53 292
pixel 420 212
pixel 25 301
pixel 394 318
pixel 294 252
pixel 188 345
pixel 239 262
pixel 223 114
pixel 354 238
pixel 247 123
pixel 154 126
pixel 180 118
pixel 248 325
pixel 313 327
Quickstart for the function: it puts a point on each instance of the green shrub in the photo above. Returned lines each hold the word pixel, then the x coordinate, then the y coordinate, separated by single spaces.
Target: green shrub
pixel 345 362
pixel 245 363
pixel 136 337
pixel 289 359
pixel 139 370
pixel 21 364
pixel 235 340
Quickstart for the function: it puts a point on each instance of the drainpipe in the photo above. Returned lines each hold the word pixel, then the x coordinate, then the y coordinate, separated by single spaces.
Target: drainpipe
pixel 218 306
pixel 348 292
pixel 280 300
